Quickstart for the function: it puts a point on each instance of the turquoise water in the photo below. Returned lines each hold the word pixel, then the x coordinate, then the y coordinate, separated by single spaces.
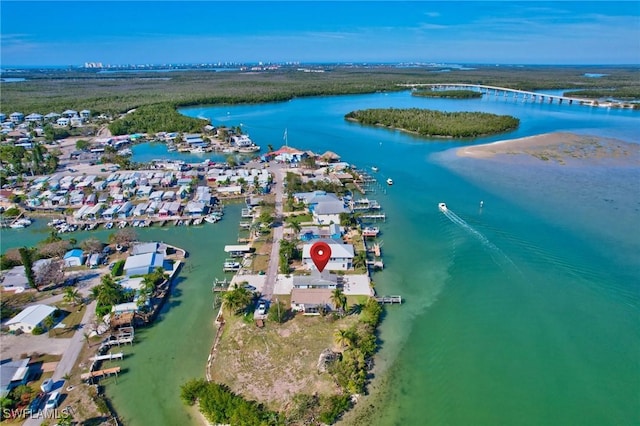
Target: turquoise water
pixel 522 312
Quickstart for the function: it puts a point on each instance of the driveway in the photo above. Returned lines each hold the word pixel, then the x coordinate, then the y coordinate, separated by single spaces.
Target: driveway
pixel 272 270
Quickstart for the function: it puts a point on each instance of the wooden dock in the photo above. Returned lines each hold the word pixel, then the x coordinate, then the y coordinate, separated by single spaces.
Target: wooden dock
pixel 100 373
pixel 389 299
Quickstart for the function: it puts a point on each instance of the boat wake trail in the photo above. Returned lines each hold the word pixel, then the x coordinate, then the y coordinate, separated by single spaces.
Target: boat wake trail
pixel 484 240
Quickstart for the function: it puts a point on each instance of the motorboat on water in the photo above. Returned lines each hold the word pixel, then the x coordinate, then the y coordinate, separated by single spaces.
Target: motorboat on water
pixel 442 207
pixel 389 181
pixel 374 168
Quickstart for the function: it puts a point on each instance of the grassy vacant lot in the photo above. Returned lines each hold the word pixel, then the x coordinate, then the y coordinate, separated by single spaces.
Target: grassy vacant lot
pixel 57 90
pixel 274 363
pixel 71 321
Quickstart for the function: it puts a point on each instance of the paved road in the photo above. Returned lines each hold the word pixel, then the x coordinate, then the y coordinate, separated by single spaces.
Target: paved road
pixel 69 357
pixel 272 271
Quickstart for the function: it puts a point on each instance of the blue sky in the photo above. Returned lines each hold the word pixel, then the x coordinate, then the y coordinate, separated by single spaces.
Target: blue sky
pixel 159 32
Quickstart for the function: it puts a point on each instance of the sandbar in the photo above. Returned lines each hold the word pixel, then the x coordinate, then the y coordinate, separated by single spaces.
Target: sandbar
pixel 558 148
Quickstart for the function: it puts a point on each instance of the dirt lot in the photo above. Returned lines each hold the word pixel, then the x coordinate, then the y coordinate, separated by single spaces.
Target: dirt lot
pixel 274 363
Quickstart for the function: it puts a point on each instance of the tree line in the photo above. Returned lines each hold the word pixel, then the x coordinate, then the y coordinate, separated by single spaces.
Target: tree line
pixel 433 123
pixel 156 118
pixel 16 160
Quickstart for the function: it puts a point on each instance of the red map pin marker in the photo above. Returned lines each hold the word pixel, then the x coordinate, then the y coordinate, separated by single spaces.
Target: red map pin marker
pixel 320 254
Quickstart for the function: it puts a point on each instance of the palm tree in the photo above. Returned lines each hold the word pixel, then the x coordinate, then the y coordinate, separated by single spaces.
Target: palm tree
pixel 295 225
pixel 237 299
pixel 108 292
pixel 344 338
pixel 339 299
pixel 72 295
pixel 360 260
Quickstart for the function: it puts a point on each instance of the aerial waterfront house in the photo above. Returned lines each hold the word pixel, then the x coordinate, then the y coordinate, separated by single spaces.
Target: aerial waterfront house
pixel 194 208
pixel 341 256
pixel 325 207
pixel 85 114
pixel 328 212
pixel 110 212
pixel 241 141
pixel 143 264
pixel 30 317
pixel 63 121
pixel 286 154
pixel 316 280
pixel 152 247
pixel 140 209
pixel 125 210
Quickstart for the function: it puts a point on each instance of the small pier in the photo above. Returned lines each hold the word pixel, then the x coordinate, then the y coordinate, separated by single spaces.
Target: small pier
pixel 364 204
pixel 378 216
pixel 220 285
pixel 100 373
pixel 125 335
pixel 389 299
pixel 107 357
pixel 376 264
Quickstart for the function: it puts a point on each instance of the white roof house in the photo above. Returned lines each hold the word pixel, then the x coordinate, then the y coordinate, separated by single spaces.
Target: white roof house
pixel 30 317
pixel 142 264
pixel 341 256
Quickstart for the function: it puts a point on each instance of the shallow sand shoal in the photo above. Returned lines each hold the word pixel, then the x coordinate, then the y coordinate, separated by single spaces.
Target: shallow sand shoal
pixel 558 147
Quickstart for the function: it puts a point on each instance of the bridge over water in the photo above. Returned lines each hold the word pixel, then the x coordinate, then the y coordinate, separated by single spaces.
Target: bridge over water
pixel 506 92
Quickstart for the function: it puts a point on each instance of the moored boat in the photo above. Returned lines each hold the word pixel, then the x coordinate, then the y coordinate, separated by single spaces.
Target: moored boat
pixel 370 231
pixel 389 181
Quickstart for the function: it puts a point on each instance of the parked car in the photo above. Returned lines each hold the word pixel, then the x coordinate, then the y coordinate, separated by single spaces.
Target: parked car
pixel 249 287
pixel 53 401
pixel 262 308
pixel 47 385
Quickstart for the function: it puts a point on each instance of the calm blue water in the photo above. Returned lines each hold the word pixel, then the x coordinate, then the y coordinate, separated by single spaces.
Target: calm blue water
pixel 514 314
pixel 524 312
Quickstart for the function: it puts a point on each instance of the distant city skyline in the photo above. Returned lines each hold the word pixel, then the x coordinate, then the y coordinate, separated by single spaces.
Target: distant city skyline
pixel 163 32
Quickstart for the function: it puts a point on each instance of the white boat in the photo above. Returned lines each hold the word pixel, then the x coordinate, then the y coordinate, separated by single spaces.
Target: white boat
pixel 374 168
pixel 389 181
pixel 442 207
pixel 108 225
pixel 211 218
pixel 198 150
pixel 229 264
